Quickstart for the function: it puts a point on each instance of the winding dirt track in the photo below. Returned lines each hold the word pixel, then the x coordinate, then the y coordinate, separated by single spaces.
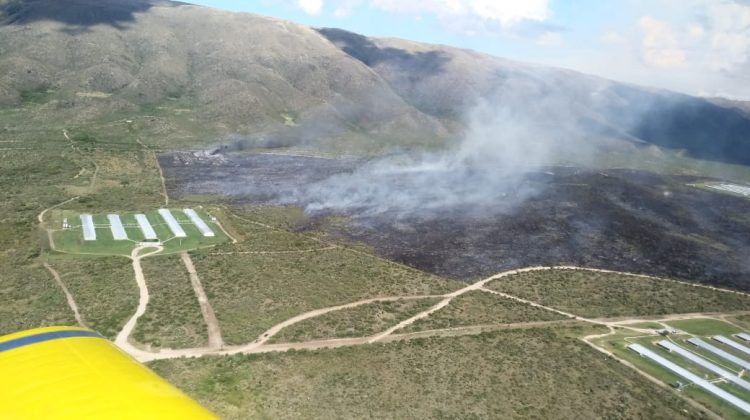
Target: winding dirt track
pixel 158 166
pixel 289 251
pixel 214 332
pixel 122 337
pixel 447 298
pixel 40 217
pixel 78 150
pixel 260 344
pixel 68 296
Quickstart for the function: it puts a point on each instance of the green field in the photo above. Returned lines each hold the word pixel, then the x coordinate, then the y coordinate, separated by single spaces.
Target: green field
pixel 705 327
pixel 71 240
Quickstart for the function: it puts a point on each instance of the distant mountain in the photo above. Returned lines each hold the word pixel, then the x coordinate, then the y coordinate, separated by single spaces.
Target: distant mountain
pixel 261 76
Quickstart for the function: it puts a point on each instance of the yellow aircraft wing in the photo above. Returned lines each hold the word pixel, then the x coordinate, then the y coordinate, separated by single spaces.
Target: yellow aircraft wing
pixel 74 373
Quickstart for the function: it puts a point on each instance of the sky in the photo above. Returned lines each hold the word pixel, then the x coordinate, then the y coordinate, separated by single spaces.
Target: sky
pixel 699 47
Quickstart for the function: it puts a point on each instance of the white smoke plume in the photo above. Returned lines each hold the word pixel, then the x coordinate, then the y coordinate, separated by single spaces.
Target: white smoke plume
pixel 506 138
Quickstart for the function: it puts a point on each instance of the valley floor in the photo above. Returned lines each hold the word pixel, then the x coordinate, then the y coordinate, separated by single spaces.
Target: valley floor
pixel 276 323
pixel 554 313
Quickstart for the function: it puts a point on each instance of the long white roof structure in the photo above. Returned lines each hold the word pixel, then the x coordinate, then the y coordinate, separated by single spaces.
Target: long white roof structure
pixel 87 223
pixel 737 189
pixel 729 376
pixel 198 222
pixel 172 223
pixel 731 343
pixel 145 225
pixel 719 352
pixel 115 225
pixel 697 380
pixel 743 336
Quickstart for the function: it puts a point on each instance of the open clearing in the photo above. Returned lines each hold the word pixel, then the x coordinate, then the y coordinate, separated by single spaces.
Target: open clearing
pixel 71 240
pixel 335 297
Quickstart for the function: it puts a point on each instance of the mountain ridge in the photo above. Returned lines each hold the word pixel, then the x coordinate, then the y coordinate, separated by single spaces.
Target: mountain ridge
pixel 280 83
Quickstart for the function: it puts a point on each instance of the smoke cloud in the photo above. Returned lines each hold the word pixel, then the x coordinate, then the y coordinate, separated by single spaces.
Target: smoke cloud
pixel 531 121
pixel 506 138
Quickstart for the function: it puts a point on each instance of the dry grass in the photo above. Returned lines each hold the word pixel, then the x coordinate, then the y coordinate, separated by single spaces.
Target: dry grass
pixel 104 289
pixel 741 320
pixel 173 317
pixel 481 308
pixel 29 298
pixel 361 321
pixel 594 294
pixel 533 373
pixel 251 293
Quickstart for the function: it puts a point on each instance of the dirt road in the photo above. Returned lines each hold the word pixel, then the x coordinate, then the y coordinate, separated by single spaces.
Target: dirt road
pixel 158 167
pixel 40 216
pixel 68 296
pixel 214 332
pixel 260 345
pixel 122 337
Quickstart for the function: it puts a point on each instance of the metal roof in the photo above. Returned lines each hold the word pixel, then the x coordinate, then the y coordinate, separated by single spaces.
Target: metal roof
pixel 89 231
pixel 145 225
pixel 719 352
pixel 115 225
pixel 731 343
pixel 729 376
pixel 174 226
pixel 198 222
pixel 697 380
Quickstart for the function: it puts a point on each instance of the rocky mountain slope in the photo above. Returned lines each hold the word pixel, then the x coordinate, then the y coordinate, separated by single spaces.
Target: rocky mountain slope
pixel 253 75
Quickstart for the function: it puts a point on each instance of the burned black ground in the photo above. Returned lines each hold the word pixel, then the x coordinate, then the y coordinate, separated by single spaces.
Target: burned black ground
pixel 623 220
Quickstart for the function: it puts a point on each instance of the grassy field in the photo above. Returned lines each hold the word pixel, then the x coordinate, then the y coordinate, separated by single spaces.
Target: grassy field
pixel 594 294
pixel 71 240
pixel 252 292
pixel 703 327
pixel 480 308
pixel 533 373
pixel 173 317
pixel 104 289
pixel 356 322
